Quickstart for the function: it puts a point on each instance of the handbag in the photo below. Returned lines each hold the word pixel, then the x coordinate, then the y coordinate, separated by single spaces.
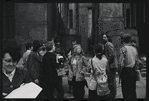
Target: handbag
pixel 92 83
pixel 61 71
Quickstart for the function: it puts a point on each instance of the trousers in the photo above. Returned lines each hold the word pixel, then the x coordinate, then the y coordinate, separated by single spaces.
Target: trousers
pixel 128 82
pixel 112 82
pixel 48 90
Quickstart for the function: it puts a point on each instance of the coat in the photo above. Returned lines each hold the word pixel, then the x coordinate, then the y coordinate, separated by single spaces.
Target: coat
pixel 20 77
pixel 82 61
pixel 34 65
pixel 111 55
pixel 49 66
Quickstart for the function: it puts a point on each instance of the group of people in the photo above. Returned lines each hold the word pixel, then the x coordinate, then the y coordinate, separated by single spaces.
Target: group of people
pixel 43 62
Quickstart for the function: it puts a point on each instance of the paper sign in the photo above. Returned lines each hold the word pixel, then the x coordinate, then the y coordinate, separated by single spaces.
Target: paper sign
pixel 30 90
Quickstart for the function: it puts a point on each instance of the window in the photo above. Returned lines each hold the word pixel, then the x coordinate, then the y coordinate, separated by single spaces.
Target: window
pixel 71 18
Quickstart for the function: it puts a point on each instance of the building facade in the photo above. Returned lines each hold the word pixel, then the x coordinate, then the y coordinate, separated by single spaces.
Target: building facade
pixel 84 22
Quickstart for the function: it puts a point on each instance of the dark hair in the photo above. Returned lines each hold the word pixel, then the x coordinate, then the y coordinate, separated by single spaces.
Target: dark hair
pixel 133 40
pixel 126 37
pixel 36 45
pixel 73 41
pixel 43 48
pixel 13 52
pixel 28 46
pixel 108 37
pixel 57 39
pixel 98 49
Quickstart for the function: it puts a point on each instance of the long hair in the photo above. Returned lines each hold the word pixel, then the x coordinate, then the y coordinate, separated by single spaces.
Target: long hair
pixel 98 49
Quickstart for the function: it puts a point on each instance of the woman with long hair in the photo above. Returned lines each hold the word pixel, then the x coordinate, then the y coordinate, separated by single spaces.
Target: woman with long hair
pixel 76 63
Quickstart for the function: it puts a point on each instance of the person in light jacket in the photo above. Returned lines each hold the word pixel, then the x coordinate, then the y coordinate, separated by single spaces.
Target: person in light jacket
pixel 76 62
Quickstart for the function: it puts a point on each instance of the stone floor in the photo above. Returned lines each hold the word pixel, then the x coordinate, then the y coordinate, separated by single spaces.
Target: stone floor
pixel 141 89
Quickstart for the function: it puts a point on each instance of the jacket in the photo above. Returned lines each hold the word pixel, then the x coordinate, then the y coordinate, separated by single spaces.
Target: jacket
pixel 49 66
pixel 34 65
pixel 20 77
pixel 81 62
pixel 111 55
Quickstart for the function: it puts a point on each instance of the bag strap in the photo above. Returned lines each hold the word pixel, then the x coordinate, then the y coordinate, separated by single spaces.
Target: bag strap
pixel 93 69
pixel 92 66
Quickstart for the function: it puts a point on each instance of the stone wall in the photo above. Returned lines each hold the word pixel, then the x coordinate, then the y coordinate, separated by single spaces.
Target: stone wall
pixel 30 22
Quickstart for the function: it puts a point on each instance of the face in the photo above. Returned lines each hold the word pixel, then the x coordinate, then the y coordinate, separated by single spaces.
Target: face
pixel 105 38
pixel 133 43
pixel 8 63
pixel 74 42
pixel 57 43
pixel 31 48
pixel 78 51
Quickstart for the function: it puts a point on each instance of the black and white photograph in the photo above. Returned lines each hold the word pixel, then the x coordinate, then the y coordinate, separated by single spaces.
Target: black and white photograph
pixel 76 51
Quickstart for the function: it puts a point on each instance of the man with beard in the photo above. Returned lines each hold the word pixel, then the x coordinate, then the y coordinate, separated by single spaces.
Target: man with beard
pixel 112 64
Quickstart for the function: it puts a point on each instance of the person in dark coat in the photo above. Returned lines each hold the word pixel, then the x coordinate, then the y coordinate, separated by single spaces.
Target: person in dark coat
pixel 13 77
pixel 59 51
pixel 112 64
pixel 50 76
pixel 34 62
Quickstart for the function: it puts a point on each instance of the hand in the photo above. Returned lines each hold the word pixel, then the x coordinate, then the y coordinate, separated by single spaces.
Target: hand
pixel 22 84
pixel 4 94
pixel 36 81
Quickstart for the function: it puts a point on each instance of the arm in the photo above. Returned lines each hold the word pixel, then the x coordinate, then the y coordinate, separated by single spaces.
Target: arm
pixel 121 60
pixel 31 67
pixel 27 77
pixel 110 53
pixel 86 65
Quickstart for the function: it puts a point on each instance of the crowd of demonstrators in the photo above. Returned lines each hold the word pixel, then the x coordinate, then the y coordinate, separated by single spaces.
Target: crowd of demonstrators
pixel 43 63
pixel 112 64
pixel 76 63
pixel 12 77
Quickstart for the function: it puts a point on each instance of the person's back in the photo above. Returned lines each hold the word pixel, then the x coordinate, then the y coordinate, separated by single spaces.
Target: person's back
pixel 130 56
pixel 127 60
pixel 50 65
pixel 50 77
pixel 100 66
pixel 29 48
